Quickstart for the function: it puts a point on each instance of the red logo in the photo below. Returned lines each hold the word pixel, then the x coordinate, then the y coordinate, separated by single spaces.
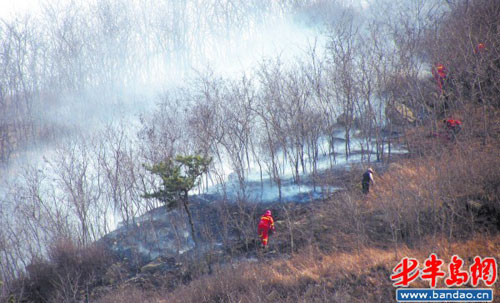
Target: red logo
pixel 432 270
pixel 456 277
pixel 405 272
pixel 483 269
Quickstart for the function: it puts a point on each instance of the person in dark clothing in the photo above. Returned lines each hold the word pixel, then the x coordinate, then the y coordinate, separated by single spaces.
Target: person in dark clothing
pixel 367 179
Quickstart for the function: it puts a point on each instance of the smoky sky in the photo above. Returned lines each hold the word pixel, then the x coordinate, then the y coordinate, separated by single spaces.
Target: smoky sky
pixel 89 62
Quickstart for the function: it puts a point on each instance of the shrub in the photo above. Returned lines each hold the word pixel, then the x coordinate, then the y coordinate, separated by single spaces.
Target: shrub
pixel 68 273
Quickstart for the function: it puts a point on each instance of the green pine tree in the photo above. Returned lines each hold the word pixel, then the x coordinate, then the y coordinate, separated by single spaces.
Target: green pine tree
pixel 178 176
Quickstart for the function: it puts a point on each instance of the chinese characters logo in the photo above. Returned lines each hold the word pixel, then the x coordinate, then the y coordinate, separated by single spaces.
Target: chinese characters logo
pixel 482 269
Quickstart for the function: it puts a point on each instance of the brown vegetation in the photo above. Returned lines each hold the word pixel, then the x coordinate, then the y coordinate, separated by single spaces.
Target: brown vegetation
pixel 346 247
pixel 68 274
pixel 444 198
pixel 312 276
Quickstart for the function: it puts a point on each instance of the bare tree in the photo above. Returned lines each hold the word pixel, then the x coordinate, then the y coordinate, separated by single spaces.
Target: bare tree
pixel 342 50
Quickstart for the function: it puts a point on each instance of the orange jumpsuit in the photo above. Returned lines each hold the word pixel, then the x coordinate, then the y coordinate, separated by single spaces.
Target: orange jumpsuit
pixel 439 72
pixel 453 127
pixel 266 223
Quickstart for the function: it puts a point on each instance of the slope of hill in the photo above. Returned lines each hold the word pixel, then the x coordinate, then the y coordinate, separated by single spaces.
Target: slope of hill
pixel 344 249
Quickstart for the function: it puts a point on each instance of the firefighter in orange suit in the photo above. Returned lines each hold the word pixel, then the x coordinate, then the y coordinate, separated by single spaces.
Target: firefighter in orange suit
pixel 439 72
pixel 266 223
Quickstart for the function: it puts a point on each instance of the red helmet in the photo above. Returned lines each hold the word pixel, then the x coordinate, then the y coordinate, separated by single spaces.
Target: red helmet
pixel 267 213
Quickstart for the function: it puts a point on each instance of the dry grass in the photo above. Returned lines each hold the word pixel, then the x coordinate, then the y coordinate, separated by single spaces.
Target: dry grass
pixel 130 295
pixel 424 200
pixel 347 247
pixel 313 277
pixel 343 263
pixel 68 273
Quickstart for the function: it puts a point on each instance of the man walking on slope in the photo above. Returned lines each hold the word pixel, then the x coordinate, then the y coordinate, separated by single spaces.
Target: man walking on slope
pixel 266 223
pixel 367 178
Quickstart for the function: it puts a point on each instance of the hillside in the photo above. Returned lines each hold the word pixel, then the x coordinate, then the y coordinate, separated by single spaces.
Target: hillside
pixel 141 181
pixel 340 249
pixel 346 246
